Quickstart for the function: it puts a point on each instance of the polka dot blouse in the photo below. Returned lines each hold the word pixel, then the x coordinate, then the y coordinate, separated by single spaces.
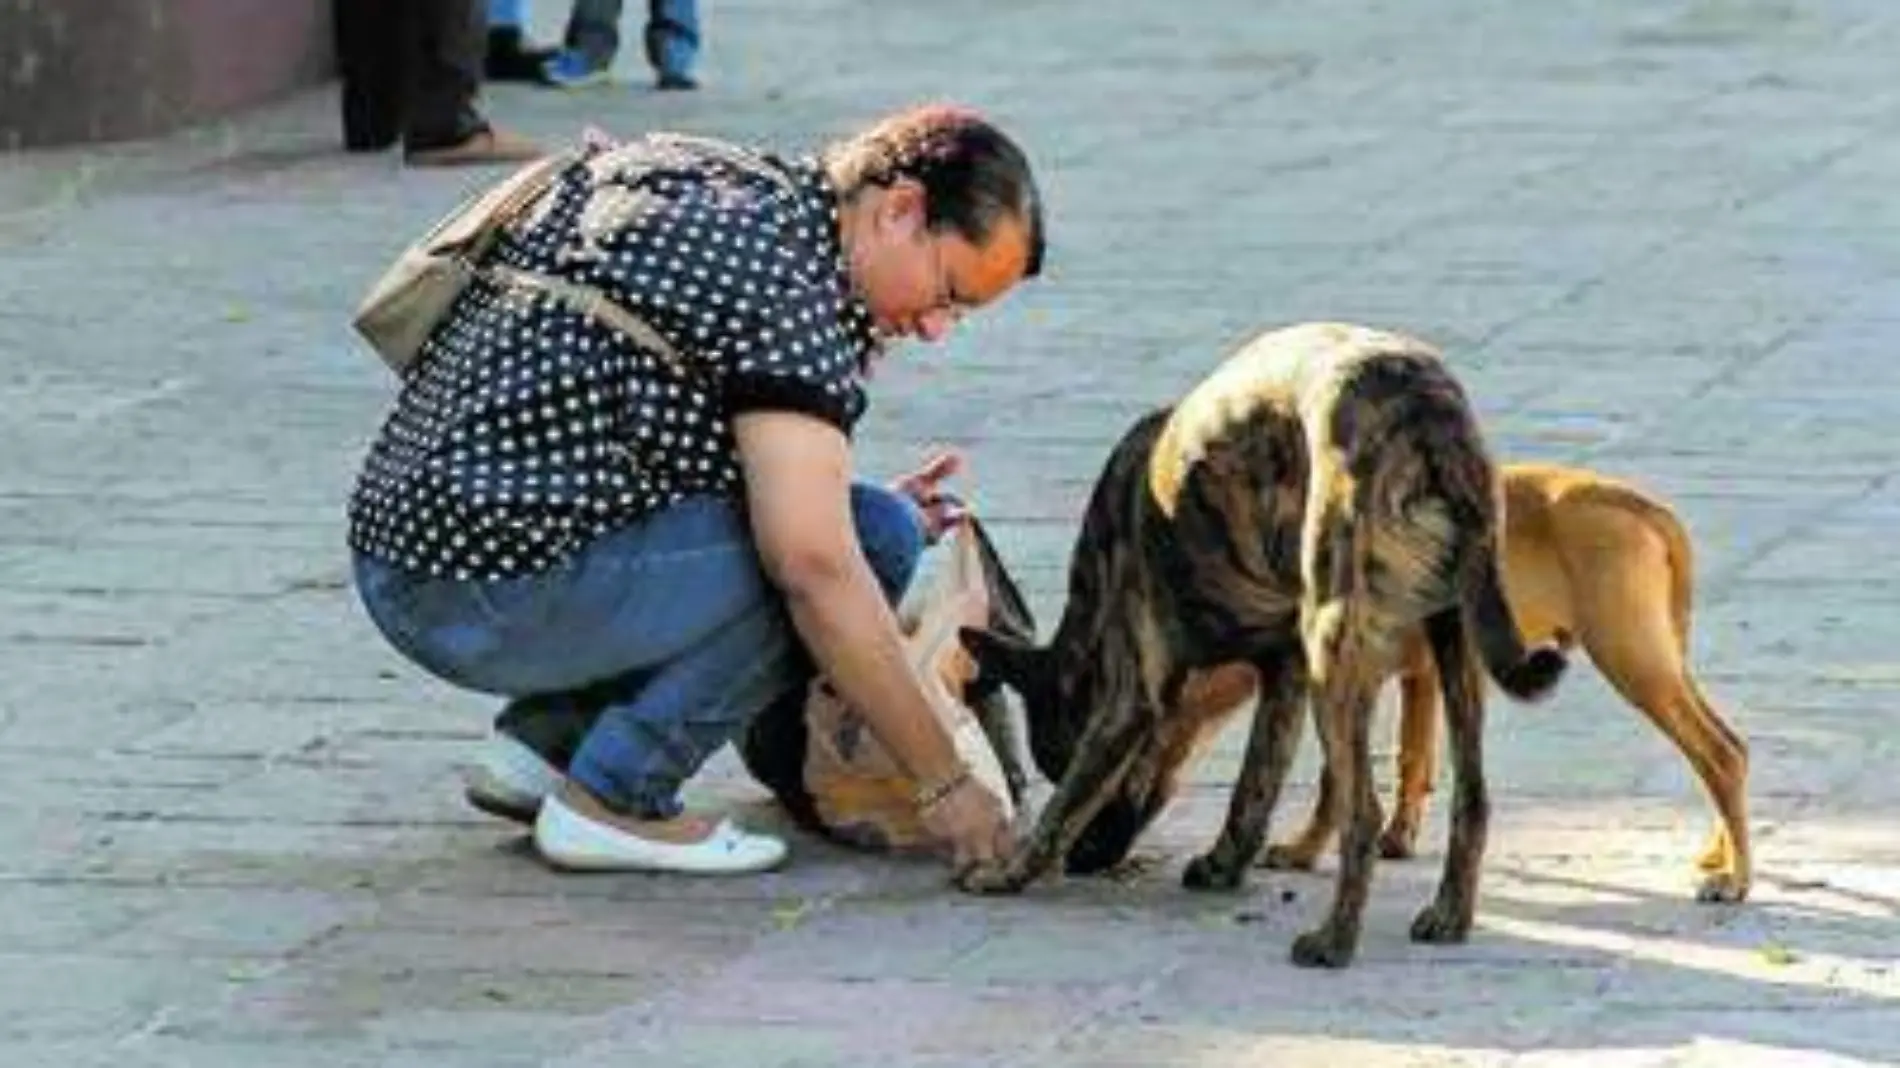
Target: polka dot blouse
pixel 525 429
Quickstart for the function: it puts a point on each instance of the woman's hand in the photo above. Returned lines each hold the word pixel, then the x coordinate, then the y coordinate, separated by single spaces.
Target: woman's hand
pixel 969 823
pixel 942 510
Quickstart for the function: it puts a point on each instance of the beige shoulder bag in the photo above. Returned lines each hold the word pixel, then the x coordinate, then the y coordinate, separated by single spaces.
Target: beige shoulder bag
pixel 413 295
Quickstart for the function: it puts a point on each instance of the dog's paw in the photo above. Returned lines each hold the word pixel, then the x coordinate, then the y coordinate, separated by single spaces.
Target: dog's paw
pixel 1717 855
pixel 1722 888
pixel 1322 948
pixel 992 877
pixel 1441 924
pixel 1398 842
pixel 1206 872
pixel 1134 867
pixel 1288 858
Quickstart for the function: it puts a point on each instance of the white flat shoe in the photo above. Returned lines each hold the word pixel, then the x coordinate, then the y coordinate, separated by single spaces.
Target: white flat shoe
pixel 509 779
pixel 567 839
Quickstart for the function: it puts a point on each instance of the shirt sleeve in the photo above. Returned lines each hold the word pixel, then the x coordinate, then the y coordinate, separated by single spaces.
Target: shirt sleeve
pixel 790 353
pixel 724 273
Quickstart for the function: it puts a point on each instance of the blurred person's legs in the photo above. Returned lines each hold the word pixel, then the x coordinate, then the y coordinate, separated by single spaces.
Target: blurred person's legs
pixel 411 71
pixel 369 61
pixel 588 46
pixel 510 57
pixel 672 40
pixel 593 39
pixel 444 42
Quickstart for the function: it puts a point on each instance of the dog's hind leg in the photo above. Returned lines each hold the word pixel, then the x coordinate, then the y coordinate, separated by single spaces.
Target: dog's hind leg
pixel 1448 917
pixel 1103 756
pixel 1641 656
pixel 1274 736
pixel 1727 860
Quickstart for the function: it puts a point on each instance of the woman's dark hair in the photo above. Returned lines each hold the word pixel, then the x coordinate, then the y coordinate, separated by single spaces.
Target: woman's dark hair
pixel 973 175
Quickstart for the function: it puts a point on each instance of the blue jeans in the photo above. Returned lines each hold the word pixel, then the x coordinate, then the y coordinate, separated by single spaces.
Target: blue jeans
pixel 672 33
pixel 665 636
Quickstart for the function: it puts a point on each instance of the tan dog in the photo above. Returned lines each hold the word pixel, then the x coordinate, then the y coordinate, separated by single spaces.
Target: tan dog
pixel 1594 562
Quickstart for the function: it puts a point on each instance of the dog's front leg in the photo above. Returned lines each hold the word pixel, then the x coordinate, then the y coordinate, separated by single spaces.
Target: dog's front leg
pixel 1274 736
pixel 1102 758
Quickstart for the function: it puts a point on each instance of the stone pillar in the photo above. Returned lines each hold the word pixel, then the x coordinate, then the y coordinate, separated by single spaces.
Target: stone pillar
pixel 105 70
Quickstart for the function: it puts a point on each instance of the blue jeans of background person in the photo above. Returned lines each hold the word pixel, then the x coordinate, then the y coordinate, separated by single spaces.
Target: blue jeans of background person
pixel 668 626
pixel 672 33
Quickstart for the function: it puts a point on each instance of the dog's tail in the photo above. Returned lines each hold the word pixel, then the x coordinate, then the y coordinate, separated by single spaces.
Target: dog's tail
pixel 1526 673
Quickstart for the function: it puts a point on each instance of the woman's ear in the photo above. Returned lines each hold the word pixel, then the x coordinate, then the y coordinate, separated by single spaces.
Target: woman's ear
pixel 903 208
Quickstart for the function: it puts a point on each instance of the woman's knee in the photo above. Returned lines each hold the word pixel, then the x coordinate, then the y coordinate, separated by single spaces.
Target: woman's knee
pixel 891 529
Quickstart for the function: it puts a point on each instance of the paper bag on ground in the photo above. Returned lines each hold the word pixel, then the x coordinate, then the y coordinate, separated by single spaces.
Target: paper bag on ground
pixel 858 790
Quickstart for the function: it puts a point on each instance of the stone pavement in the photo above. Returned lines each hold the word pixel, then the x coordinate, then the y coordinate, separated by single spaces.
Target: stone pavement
pixel 1660 238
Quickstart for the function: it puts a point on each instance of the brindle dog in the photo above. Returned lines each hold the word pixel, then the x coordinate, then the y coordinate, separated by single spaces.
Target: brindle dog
pixel 1319 495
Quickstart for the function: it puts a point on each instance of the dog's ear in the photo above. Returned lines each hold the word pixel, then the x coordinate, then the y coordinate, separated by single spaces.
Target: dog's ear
pixel 1009 611
pixel 1003 658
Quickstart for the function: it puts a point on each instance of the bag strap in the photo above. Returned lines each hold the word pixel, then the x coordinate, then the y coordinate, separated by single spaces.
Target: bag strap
pixel 529 186
pixel 593 304
pixel 588 301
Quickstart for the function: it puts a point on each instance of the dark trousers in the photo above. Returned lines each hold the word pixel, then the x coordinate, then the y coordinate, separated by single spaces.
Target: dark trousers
pixel 411 69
